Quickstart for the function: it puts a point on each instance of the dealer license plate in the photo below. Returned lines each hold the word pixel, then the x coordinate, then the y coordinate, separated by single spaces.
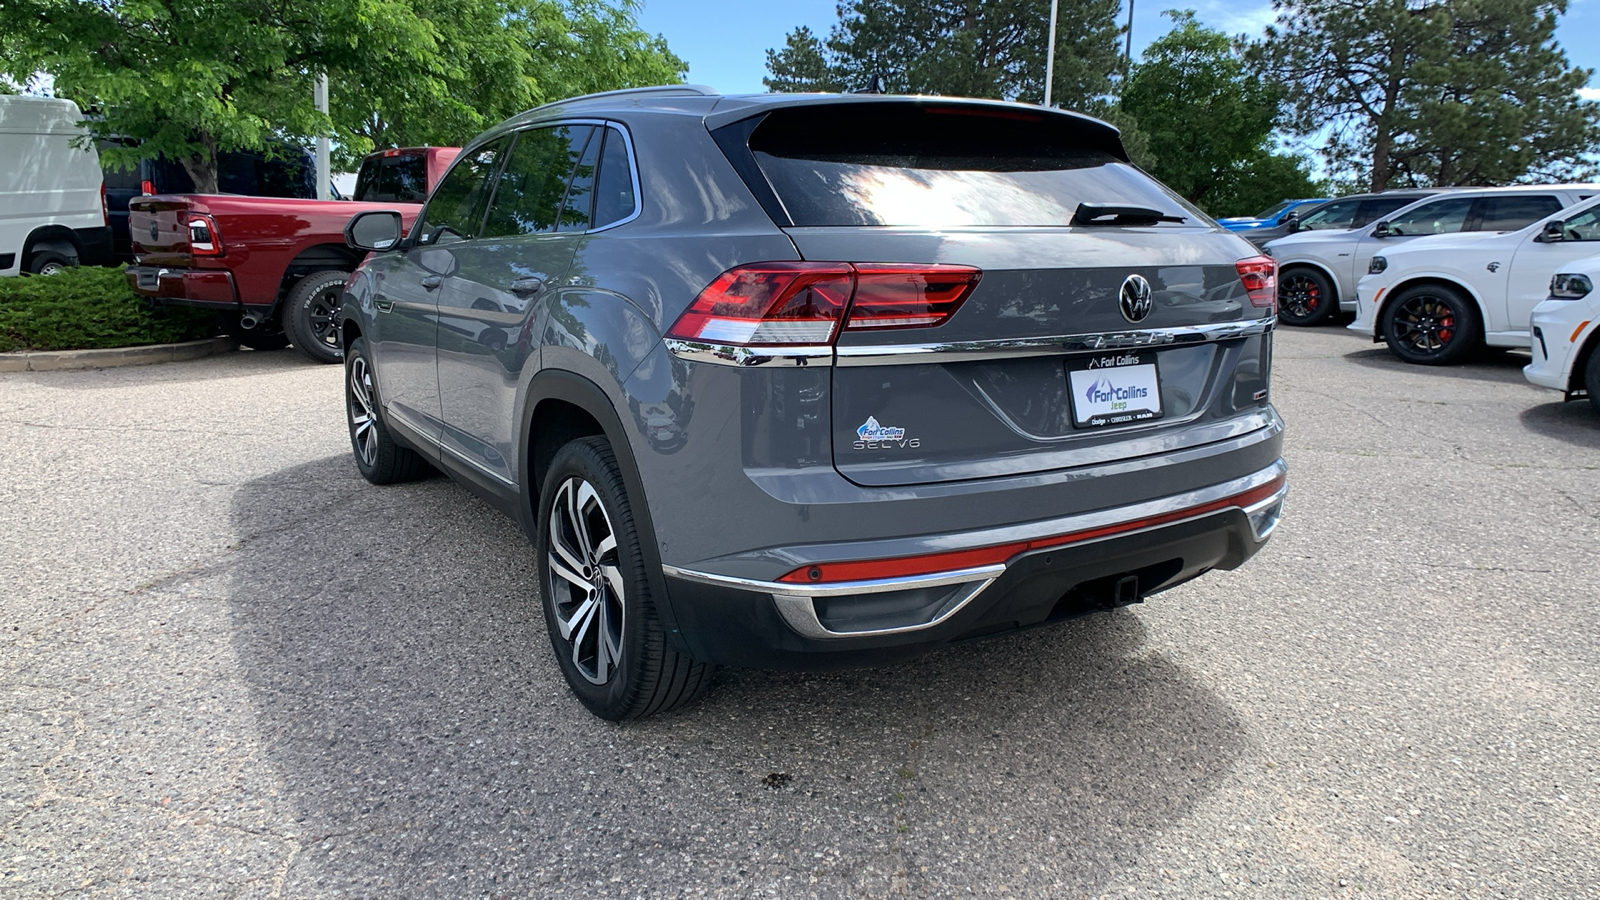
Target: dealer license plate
pixel 1114 389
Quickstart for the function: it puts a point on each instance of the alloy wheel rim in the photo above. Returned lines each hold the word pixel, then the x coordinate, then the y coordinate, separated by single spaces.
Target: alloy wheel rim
pixel 1301 296
pixel 1425 324
pixel 363 420
pixel 587 593
pixel 324 306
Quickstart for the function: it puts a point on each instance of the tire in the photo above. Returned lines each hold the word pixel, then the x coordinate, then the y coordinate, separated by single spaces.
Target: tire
pixel 311 315
pixel 379 458
pixel 1591 379
pixel 49 262
pixel 1431 325
pixel 603 625
pixel 1305 297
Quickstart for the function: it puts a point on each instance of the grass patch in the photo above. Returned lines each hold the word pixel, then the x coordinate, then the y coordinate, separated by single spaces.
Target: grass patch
pixel 90 308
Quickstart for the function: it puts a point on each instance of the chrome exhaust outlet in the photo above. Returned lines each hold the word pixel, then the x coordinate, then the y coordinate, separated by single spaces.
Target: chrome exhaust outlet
pixel 248 322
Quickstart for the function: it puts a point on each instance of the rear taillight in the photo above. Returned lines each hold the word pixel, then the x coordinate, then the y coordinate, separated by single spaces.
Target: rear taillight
pixel 105 210
pixel 204 239
pixel 147 188
pixel 809 303
pixel 1260 277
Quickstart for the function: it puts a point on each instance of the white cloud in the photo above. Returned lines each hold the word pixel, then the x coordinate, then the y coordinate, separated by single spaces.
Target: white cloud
pixel 1589 93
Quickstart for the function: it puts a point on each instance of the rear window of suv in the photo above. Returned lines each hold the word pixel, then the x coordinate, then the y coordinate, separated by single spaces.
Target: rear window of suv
pixel 946 167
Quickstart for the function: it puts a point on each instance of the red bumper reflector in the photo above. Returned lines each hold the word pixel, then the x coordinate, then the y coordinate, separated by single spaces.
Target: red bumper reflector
pixel 933 563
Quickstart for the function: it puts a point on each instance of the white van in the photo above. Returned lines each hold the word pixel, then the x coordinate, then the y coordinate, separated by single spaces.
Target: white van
pixel 52 198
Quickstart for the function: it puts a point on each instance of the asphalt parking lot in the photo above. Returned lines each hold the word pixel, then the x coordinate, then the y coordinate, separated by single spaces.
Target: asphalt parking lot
pixel 232 668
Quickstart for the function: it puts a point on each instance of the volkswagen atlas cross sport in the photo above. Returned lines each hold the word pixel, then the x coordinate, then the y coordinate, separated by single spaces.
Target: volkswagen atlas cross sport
pixel 814 381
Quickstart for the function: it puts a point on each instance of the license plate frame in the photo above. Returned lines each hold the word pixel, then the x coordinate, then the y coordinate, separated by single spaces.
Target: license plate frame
pixel 1114 389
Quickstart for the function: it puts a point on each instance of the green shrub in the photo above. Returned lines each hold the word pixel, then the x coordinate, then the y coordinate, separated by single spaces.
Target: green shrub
pixel 90 308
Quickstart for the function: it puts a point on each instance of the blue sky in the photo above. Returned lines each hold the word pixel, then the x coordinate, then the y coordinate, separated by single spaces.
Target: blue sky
pixel 725 41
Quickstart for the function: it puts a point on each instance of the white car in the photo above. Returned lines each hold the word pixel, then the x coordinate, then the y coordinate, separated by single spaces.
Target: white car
pixel 1318 270
pixel 1566 334
pixel 1437 298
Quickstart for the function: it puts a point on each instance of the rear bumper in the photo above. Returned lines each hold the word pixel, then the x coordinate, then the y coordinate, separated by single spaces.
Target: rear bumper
pixel 207 288
pixel 1055 570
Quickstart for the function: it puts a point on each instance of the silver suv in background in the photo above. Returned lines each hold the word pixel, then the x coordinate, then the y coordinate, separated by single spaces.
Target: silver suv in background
pixel 1319 269
pixel 811 381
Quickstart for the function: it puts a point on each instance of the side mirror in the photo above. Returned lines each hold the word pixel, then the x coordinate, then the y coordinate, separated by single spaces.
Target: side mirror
pixel 1552 233
pixel 374 231
pixel 1381 230
pixel 1292 223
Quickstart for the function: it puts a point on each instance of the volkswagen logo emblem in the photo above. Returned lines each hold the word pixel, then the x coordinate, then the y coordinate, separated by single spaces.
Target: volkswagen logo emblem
pixel 1134 298
pixel 155 231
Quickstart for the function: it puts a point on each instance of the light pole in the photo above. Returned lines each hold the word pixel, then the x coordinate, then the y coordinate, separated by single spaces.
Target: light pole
pixel 1050 54
pixel 1127 48
pixel 324 177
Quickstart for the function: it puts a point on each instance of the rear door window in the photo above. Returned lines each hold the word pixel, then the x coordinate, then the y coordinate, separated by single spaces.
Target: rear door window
pixel 1512 213
pixel 933 166
pixel 1446 216
pixel 402 178
pixel 456 210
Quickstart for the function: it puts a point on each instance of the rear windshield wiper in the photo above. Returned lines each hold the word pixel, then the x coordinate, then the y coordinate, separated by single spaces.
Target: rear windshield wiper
pixel 1099 214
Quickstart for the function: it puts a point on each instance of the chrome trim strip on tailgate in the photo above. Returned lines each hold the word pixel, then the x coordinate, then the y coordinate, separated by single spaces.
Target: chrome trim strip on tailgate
pixel 962 351
pixel 970 351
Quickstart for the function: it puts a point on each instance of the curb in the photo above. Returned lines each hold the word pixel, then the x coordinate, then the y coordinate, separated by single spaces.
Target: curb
pixel 57 360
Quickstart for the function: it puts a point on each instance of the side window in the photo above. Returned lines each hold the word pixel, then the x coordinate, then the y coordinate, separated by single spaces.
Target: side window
pixel 457 204
pixel 1511 213
pixel 1378 207
pixel 534 181
pixel 1446 216
pixel 1331 217
pixel 574 215
pixel 613 196
pixel 1584 226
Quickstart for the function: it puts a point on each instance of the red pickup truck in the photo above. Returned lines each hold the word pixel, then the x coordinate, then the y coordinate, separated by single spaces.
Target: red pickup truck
pixel 273 268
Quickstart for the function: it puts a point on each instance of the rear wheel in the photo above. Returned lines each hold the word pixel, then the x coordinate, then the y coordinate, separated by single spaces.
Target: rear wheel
pixel 311 315
pixel 602 622
pixel 379 458
pixel 1305 297
pixel 49 262
pixel 1431 325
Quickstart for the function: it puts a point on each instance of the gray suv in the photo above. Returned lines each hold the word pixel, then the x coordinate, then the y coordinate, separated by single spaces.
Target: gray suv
pixel 806 382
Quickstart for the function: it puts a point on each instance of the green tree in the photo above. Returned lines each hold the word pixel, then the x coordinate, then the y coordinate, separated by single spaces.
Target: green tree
pixel 969 48
pixel 1432 92
pixel 192 78
pixel 801 67
pixel 1209 122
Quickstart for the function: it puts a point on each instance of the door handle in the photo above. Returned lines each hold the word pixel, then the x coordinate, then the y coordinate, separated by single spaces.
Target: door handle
pixel 430 282
pixel 527 286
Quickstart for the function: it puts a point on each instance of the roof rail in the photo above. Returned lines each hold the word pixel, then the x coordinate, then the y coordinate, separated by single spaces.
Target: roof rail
pixel 659 90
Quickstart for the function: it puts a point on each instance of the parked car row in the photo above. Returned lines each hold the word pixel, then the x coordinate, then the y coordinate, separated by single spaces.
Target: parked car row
pixel 1455 270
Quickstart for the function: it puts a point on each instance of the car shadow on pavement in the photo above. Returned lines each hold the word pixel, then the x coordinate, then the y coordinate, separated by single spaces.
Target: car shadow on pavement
pixel 406 695
pixel 1576 422
pixel 1486 365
